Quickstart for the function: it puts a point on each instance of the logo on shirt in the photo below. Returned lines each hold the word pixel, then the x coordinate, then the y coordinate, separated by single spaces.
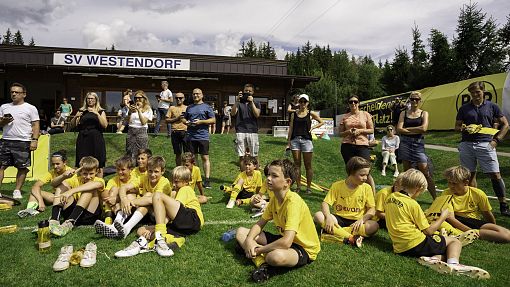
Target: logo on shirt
pixel 339 207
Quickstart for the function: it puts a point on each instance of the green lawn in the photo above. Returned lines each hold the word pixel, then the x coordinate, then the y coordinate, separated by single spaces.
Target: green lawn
pixel 206 260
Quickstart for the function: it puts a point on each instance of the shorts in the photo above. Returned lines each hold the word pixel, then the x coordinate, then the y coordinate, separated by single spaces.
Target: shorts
pixel 471 222
pixel 186 222
pixel 412 150
pixel 349 151
pixel 86 218
pixel 343 222
pixel 247 140
pixel 243 194
pixel 199 147
pixel 15 153
pixel 301 144
pixel 482 152
pixel 303 257
pixel 430 246
pixel 386 155
pixel 179 143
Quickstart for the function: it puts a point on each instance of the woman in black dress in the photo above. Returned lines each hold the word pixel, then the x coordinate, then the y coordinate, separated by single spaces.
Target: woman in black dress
pixel 90 121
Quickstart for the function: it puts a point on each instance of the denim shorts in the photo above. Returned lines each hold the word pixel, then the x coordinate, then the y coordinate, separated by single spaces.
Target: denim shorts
pixel 482 152
pixel 301 144
pixel 412 150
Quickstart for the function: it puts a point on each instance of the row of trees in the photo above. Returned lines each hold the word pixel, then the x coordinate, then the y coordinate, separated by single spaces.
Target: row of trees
pixel 17 39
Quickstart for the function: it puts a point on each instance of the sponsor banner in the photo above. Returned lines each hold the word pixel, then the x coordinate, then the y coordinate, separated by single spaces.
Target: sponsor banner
pixel 116 61
pixel 40 162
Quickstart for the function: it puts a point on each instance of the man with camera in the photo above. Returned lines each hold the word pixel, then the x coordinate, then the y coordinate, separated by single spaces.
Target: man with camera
pixel 175 117
pixel 20 122
pixel 246 112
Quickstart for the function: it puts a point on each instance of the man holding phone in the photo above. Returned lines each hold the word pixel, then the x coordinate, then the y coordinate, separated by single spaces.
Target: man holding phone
pixel 175 117
pixel 20 122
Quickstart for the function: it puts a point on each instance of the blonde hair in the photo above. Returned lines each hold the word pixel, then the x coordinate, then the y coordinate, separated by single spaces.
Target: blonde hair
pixel 457 174
pixel 181 173
pixel 146 105
pixel 89 163
pixel 156 161
pixel 188 157
pixel 412 179
pixel 97 106
pixel 415 93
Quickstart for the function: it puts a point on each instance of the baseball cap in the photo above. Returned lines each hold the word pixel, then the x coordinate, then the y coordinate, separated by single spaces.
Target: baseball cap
pixel 304 96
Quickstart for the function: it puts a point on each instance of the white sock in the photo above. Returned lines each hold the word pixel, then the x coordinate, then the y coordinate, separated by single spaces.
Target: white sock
pixel 137 217
pixel 120 217
pixel 452 261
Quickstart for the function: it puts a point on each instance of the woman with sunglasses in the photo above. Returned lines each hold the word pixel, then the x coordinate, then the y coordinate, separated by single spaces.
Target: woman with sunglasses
pixel 140 113
pixel 412 125
pixel 354 128
pixel 390 143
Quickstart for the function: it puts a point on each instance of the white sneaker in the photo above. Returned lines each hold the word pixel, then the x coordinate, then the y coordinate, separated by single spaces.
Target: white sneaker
pixel 136 247
pixel 161 247
pixel 231 203
pixel 383 173
pixel 106 230
pixel 89 256
pixel 16 194
pixel 435 264
pixel 471 271
pixel 27 212
pixel 62 262
pixel 396 173
pixel 257 214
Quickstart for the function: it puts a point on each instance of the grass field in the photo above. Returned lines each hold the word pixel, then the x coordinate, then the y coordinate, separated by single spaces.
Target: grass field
pixel 206 260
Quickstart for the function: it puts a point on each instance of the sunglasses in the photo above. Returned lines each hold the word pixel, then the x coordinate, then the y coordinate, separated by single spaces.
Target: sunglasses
pixel 353 102
pixel 415 99
pixel 302 102
pixel 138 98
pixel 180 98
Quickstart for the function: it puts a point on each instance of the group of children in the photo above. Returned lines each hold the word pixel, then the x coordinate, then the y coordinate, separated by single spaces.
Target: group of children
pixel 349 212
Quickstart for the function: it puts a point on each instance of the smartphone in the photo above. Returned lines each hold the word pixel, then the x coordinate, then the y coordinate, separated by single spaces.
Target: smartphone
pixel 7 116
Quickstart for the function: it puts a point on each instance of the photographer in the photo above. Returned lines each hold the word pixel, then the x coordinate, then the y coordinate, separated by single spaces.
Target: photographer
pixel 246 113
pixel 140 113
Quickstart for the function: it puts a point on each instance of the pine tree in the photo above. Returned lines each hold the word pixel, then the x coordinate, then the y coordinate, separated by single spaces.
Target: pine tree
pixel 32 43
pixel 113 47
pixel 417 77
pixel 7 38
pixel 441 59
pixel 18 39
pixel 504 35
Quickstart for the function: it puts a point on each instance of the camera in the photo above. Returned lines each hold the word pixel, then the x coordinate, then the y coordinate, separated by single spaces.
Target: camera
pixel 7 116
pixel 244 97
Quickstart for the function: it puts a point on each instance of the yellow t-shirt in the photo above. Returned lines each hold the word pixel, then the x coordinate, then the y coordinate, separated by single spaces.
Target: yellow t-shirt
pixel 436 207
pixel 250 184
pixel 196 176
pixel 293 214
pixel 76 181
pixel 471 204
pixel 115 182
pixel 50 175
pixel 144 186
pixel 380 198
pixel 186 195
pixel 347 203
pixel 264 190
pixel 405 221
pixel 136 173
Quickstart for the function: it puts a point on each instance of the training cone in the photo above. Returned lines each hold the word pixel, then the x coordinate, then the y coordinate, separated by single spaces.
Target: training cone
pixel 326 137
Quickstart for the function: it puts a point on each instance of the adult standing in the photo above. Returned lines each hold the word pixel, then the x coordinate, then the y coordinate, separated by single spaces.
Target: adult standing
pixel 212 127
pixel 198 117
pixel 412 125
pixel 246 112
pixel 20 122
pixel 175 117
pixel 300 138
pixel 140 113
pixel 226 120
pixel 355 127
pixel 90 121
pixel 123 112
pixel 57 123
pixel 66 108
pixel 482 147
pixel 165 99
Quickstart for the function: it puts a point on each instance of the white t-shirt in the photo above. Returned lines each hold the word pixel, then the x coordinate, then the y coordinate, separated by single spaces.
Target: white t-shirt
pixel 20 129
pixel 134 121
pixel 166 94
pixel 392 143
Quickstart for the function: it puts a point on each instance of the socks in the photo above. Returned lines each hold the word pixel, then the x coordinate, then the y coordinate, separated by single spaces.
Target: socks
pixel 452 261
pixel 245 201
pixel 120 217
pixel 235 191
pixel 32 205
pixel 55 212
pixel 499 187
pixel 339 232
pixel 135 218
pixel 161 228
pixel 76 213
pixel 259 260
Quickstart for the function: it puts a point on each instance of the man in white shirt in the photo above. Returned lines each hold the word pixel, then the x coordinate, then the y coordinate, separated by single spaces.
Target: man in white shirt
pixel 20 122
pixel 164 101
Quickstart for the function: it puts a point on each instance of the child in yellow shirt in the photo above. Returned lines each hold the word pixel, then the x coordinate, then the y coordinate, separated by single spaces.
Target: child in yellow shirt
pixel 142 159
pixel 261 199
pixel 188 160
pixel 380 198
pixel 247 183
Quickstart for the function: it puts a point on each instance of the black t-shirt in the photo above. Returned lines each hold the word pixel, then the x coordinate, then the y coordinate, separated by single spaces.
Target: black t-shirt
pixel 246 122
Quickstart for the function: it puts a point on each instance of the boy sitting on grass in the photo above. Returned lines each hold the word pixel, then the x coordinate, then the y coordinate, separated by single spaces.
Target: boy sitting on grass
pixel 247 183
pixel 297 244
pixel 380 199
pixel 142 158
pixel 188 160
pixel 353 206
pixel 413 236
pixel 175 218
pixel 261 199
pixel 77 199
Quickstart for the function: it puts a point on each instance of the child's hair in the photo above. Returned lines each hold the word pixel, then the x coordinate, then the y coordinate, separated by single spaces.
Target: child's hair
pixel 390 127
pixel 146 151
pixel 156 161
pixel 289 170
pixel 397 184
pixel 413 178
pixel 181 173
pixel 250 159
pixel 356 163
pixel 475 85
pixel 188 157
pixel 124 161
pixel 457 174
pixel 89 163
pixel 60 153
pixel 266 170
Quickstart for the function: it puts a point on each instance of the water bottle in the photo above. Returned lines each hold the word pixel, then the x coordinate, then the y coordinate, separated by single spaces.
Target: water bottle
pixel 43 236
pixel 228 235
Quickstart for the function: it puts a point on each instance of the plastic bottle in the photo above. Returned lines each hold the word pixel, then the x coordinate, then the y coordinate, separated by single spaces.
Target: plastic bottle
pixel 43 236
pixel 228 235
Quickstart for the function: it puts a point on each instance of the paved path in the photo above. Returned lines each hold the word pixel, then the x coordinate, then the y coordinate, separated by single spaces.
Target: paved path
pixel 454 149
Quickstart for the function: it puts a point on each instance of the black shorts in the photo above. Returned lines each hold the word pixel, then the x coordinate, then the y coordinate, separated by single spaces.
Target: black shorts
pixel 15 153
pixel 382 223
pixel 432 245
pixel 199 147
pixel 343 222
pixel 186 222
pixel 243 194
pixel 349 151
pixel 303 257
pixel 179 143
pixel 471 222
pixel 86 218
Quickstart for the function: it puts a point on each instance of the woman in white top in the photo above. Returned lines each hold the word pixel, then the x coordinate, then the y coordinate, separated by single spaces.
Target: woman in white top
pixel 139 115
pixel 390 143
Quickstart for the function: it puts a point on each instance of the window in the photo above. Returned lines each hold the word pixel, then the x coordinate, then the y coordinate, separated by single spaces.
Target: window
pixel 112 101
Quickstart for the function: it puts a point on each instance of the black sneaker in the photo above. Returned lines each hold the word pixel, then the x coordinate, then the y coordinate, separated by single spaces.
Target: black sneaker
pixel 207 184
pixel 503 208
pixel 260 274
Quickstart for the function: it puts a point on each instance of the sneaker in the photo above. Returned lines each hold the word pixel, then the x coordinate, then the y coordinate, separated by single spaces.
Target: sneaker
pixel 354 241
pixel 27 212
pixel 53 225
pixel 383 173
pixel 435 264
pixel 468 237
pixel 136 247
pixel 16 194
pixel 62 262
pixel 396 173
pixel 471 271
pixel 257 214
pixel 119 132
pixel 503 208
pixel 231 203
pixel 206 184
pixel 260 274
pixel 106 230
pixel 308 191
pixel 161 246
pixel 62 229
pixel 89 256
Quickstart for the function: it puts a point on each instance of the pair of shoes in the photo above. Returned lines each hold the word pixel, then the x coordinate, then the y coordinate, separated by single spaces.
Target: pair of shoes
pixel 396 173
pixel 161 246
pixel 108 231
pixel 27 212
pixel 89 256
pixel 354 241
pixel 62 229
pixel 503 208
pixel 383 173
pixel 261 274
pixel 470 271
pixel 16 194
pixel 435 264
pixel 207 183
pixel 138 246
pixel 231 203
pixel 64 258
pixel 467 237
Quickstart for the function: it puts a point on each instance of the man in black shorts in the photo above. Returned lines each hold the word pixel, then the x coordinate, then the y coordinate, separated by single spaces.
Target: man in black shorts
pixel 175 117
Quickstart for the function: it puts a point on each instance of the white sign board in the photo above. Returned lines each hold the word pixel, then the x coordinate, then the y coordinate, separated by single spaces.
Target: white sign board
pixel 328 127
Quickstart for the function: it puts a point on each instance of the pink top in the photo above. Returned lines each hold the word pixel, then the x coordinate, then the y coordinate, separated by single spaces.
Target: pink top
pixel 358 121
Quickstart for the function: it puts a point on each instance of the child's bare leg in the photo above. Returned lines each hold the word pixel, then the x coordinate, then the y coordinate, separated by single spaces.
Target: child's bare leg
pixel 494 233
pixel 282 257
pixel 453 248
pixel 371 227
pixel 164 206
